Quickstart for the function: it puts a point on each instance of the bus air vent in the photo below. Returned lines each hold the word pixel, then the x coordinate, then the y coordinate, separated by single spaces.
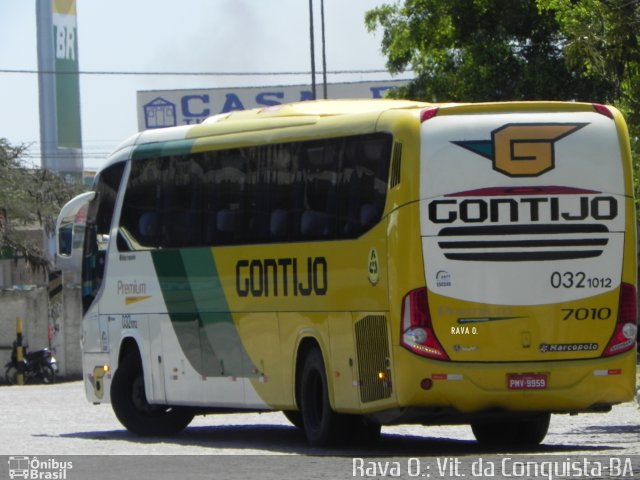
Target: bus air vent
pixel 396 163
pixel 521 243
pixel 372 347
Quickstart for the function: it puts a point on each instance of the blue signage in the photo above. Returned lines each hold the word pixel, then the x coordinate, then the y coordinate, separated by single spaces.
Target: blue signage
pixel 168 108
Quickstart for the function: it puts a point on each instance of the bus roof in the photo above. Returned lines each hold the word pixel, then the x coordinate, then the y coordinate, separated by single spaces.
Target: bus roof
pixel 311 112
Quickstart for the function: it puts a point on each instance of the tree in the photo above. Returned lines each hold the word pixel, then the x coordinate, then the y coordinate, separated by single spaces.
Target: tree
pixel 28 197
pixel 601 41
pixel 481 50
pixel 493 50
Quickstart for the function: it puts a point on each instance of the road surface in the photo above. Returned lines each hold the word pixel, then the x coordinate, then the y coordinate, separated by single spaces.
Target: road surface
pixel 50 422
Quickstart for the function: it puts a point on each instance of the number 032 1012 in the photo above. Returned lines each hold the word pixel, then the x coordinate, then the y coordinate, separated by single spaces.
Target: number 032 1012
pixel 578 280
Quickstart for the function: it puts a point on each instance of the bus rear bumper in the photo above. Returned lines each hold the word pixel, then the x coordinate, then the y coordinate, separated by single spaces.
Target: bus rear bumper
pixel 455 390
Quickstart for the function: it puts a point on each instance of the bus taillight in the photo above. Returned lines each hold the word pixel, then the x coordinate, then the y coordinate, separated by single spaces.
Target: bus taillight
pixel 603 110
pixel 624 336
pixel 417 329
pixel 428 114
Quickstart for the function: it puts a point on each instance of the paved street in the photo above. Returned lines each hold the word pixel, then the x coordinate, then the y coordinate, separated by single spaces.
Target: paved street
pixel 56 420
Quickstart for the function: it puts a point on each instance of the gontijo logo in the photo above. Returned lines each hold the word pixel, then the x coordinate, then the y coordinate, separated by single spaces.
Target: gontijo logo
pixel 522 149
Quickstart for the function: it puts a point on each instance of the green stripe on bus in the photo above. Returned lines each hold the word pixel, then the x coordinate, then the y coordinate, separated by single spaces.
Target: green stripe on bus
pixel 204 281
pixel 162 149
pixel 200 314
pixel 222 349
pixel 174 283
pixel 180 304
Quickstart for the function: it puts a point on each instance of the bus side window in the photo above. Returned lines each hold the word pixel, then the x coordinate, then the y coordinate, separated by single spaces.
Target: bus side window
pixel 141 221
pixel 320 171
pixel 211 197
pixel 231 182
pixel 313 190
pixel 364 183
pixel 182 200
pixel 281 191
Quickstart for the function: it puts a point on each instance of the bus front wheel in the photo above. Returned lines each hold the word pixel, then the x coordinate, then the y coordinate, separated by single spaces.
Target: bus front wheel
pixel 129 402
pixel 322 426
pixel 526 432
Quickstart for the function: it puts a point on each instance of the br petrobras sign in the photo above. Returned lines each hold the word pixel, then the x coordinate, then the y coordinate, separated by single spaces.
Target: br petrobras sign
pixel 168 108
pixel 65 34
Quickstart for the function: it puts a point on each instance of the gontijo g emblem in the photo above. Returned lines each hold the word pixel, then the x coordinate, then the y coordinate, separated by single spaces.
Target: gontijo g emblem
pixel 522 149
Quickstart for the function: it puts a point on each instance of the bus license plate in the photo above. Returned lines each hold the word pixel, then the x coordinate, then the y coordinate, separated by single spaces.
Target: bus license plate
pixel 527 381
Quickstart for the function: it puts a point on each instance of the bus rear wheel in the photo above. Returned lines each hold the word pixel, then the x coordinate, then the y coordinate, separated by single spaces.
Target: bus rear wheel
pixel 365 432
pixel 322 426
pixel 294 417
pixel 129 403
pixel 524 433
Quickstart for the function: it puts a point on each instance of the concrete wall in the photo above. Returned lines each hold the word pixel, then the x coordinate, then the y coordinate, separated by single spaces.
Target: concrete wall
pixel 24 292
pixel 32 305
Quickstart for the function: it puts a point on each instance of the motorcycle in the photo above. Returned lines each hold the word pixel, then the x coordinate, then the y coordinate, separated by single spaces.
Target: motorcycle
pixel 38 366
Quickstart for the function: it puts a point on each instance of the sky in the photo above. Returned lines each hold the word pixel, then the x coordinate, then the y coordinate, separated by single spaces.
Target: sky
pixel 176 36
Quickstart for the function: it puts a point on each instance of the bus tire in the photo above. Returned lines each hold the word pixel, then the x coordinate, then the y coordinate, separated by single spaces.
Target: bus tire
pixel 294 417
pixel 322 426
pixel 365 432
pixel 524 433
pixel 129 403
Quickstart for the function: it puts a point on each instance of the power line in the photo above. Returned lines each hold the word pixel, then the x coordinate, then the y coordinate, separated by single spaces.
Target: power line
pixel 184 74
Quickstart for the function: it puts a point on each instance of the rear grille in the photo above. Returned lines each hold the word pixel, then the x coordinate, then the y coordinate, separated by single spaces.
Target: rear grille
pixel 372 346
pixel 396 164
pixel 521 243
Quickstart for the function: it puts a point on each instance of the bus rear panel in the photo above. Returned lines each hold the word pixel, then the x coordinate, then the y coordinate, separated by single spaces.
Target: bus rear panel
pixel 526 228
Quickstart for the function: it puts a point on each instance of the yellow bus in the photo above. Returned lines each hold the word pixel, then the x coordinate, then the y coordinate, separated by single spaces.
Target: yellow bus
pixel 363 263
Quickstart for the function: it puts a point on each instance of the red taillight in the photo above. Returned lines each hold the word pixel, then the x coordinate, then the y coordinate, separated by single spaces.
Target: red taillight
pixel 428 114
pixel 603 110
pixel 624 336
pixel 417 329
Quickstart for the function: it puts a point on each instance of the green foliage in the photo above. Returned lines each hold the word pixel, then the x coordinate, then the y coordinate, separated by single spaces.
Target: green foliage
pixel 495 50
pixel 28 197
pixel 602 42
pixel 479 50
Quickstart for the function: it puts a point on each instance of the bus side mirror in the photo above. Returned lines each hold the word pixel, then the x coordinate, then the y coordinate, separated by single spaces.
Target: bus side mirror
pixel 70 227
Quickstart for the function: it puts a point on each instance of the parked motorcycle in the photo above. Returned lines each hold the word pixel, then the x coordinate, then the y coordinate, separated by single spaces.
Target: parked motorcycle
pixel 38 366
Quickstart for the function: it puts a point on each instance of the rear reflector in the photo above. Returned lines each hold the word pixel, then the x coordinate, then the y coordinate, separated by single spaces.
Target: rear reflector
pixel 606 373
pixel 447 376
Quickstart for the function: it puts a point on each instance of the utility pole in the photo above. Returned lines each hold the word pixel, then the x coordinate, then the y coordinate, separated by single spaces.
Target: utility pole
pixel 313 51
pixel 324 53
